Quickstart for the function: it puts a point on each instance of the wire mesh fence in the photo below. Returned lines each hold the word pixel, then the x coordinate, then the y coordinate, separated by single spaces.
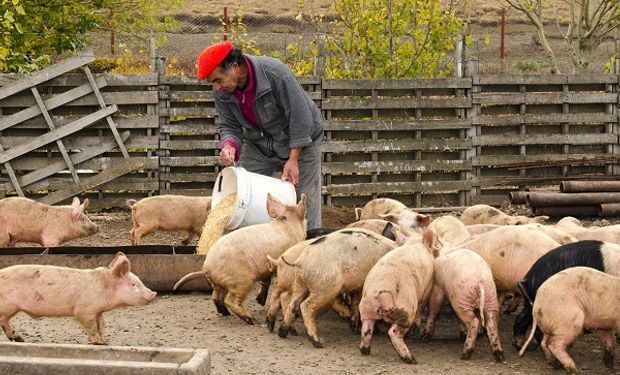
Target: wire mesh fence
pixel 260 32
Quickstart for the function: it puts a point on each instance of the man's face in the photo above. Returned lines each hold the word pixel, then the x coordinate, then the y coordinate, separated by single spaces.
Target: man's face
pixel 224 81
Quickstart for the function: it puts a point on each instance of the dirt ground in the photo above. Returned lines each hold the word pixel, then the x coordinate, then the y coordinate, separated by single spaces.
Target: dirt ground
pixel 190 321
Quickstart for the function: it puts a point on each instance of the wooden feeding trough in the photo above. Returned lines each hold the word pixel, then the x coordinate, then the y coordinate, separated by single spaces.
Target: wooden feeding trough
pixel 159 267
pixel 66 359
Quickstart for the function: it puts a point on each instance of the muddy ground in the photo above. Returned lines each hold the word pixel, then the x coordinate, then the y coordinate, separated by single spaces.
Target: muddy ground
pixel 190 321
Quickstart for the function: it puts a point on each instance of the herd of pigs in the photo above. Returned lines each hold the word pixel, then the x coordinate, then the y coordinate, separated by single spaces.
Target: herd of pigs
pixel 390 265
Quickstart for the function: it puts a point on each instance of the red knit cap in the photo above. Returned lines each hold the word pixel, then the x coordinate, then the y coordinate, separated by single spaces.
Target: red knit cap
pixel 211 57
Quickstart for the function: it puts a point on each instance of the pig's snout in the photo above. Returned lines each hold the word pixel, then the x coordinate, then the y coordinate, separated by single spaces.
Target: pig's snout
pixel 151 296
pixel 94 229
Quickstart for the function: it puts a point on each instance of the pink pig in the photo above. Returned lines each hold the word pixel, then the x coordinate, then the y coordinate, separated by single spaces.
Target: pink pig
pixel 26 220
pixel 85 294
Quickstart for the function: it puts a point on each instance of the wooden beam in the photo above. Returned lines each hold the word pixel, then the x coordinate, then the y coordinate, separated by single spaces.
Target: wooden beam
pixel 46 74
pixel 50 123
pixel 102 104
pixel 128 166
pixel 106 145
pixel 56 134
pixel 12 176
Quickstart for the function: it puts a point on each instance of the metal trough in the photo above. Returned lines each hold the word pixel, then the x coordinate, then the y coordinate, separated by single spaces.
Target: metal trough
pixel 159 267
pixel 66 359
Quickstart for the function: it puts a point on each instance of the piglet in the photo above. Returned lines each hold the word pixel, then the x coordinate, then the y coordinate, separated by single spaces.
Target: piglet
pixel 485 214
pixel 170 213
pixel 25 220
pixel 85 294
pixel 395 212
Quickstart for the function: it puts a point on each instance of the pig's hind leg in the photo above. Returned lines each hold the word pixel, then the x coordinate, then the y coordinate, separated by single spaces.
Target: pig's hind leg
pixel 397 335
pixel 368 325
pixel 261 298
pixel 310 309
pixel 469 320
pixel 234 301
pixel 218 295
pixel 608 341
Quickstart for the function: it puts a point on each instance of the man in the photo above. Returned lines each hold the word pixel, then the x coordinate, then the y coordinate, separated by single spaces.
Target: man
pixel 266 119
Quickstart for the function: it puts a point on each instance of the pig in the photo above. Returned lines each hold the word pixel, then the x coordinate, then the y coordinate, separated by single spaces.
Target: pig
pixel 569 224
pixel 394 211
pixel 602 256
pixel 558 235
pixel 283 285
pixel 510 251
pixel 467 280
pixel 26 220
pixel 168 213
pixel 329 266
pixel 450 229
pixel 380 226
pixel 570 301
pixel 85 294
pixel 484 214
pixel 239 259
pixel 396 290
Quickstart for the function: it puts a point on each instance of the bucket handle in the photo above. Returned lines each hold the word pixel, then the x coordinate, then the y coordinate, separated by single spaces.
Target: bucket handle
pixel 219 183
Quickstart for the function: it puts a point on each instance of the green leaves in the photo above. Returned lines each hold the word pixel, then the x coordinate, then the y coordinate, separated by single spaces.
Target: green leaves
pixel 31 31
pixel 392 38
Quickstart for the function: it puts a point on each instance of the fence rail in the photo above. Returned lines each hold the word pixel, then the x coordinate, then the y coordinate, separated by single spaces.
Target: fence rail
pixel 426 142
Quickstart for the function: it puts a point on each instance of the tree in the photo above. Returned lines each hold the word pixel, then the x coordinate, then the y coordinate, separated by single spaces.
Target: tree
pixel 31 31
pixel 393 38
pixel 588 23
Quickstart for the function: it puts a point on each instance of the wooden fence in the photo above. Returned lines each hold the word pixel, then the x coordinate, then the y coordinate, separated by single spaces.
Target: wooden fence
pixel 426 142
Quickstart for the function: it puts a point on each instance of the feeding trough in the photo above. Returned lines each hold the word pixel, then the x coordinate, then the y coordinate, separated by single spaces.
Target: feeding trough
pixel 159 267
pixel 67 359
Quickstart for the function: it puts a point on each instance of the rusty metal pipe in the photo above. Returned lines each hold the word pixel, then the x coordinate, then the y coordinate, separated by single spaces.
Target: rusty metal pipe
pixel 609 209
pixel 576 211
pixel 518 197
pixel 571 199
pixel 589 186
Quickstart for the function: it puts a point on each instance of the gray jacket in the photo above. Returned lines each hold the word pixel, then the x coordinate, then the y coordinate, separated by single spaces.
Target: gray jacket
pixel 286 115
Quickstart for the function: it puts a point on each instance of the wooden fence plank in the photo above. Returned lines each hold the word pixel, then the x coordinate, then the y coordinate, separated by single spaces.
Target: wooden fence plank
pixel 45 74
pixel 545 119
pixel 189 145
pixel 534 98
pixel 188 161
pixel 107 144
pixel 56 134
pixel 384 84
pixel 394 103
pixel 51 103
pixel 544 139
pixel 486 160
pixel 189 111
pixel 550 79
pixel 189 129
pixel 397 145
pixel 123 121
pixel 129 165
pixel 404 166
pixel 410 124
pixel 395 187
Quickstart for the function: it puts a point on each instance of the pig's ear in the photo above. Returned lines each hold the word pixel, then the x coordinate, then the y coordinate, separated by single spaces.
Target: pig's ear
pixel 85 204
pixel 389 217
pixel 423 220
pixel 301 206
pixel 76 209
pixel 275 208
pixel 120 265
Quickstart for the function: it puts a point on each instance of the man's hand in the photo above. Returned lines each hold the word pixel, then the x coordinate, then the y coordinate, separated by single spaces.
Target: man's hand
pixel 227 155
pixel 290 171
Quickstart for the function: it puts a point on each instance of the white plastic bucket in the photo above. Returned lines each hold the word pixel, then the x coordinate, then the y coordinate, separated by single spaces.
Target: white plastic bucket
pixel 251 189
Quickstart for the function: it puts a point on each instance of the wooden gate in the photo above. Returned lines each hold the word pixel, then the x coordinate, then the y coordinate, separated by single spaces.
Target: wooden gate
pixel 60 134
